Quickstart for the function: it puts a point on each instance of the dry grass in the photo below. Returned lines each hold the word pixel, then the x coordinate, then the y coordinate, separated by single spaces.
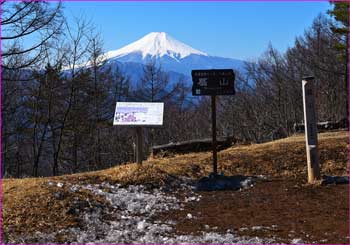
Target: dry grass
pixel 280 158
pixel 287 157
pixel 31 205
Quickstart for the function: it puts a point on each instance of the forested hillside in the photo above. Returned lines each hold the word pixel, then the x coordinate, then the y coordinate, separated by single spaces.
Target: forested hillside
pixel 57 112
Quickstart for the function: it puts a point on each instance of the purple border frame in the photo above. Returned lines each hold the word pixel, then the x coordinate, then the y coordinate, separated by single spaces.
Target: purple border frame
pixel 1 126
pixel 348 46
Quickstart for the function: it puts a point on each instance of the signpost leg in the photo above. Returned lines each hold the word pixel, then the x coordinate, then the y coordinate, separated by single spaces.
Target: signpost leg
pixel 139 145
pixel 310 123
pixel 134 150
pixel 213 120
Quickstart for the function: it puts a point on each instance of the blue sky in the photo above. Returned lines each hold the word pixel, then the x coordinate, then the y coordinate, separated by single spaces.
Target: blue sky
pixel 240 30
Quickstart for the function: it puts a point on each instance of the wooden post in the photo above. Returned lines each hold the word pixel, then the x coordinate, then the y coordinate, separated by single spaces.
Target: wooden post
pixel 139 145
pixel 310 123
pixel 213 129
pixel 134 149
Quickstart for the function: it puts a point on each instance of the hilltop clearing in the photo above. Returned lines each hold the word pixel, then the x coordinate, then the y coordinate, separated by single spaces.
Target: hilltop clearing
pixel 156 202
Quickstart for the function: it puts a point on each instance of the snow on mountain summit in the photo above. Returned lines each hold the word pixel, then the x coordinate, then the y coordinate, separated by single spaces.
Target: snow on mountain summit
pixel 174 57
pixel 156 44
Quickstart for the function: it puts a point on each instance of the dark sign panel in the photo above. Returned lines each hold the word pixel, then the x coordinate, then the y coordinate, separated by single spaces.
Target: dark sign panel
pixel 213 82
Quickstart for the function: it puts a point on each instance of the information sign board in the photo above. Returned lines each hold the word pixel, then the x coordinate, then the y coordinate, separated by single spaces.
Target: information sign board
pixel 139 113
pixel 213 82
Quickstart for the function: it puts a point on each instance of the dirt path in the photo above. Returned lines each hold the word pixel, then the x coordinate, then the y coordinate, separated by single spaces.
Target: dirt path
pixel 283 210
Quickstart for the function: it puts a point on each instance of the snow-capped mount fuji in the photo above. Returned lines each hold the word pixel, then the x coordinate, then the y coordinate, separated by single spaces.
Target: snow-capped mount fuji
pixel 156 44
pixel 174 56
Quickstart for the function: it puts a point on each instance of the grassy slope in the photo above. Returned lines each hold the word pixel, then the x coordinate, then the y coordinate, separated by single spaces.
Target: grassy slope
pixel 31 204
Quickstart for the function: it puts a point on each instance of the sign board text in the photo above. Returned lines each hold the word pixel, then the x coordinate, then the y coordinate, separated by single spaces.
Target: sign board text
pixel 213 82
pixel 139 114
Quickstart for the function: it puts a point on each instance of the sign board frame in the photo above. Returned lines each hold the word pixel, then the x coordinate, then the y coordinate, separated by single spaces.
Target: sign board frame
pixel 213 82
pixel 139 114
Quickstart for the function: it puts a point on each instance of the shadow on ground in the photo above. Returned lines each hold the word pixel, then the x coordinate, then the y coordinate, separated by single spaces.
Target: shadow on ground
pixel 216 182
pixel 337 180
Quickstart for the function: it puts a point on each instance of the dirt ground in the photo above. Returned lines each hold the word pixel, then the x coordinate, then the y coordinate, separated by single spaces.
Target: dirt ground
pixel 286 209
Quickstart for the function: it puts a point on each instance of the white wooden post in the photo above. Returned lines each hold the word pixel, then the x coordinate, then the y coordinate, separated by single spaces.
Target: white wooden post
pixel 310 123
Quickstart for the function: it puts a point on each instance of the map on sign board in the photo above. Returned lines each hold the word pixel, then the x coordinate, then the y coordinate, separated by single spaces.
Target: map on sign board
pixel 139 113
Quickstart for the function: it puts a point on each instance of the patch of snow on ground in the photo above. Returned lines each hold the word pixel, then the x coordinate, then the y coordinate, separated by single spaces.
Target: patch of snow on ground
pixel 132 219
pixel 249 182
pixel 257 228
pixel 297 241
pixel 135 207
pixel 60 185
pixel 213 237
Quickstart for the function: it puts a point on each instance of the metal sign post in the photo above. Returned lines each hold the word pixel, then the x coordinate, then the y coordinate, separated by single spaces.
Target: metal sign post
pixel 313 168
pixel 213 82
pixel 213 129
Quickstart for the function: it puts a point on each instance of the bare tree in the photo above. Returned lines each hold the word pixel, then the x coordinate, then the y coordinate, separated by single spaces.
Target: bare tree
pixel 75 54
pixel 27 29
pixel 23 22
